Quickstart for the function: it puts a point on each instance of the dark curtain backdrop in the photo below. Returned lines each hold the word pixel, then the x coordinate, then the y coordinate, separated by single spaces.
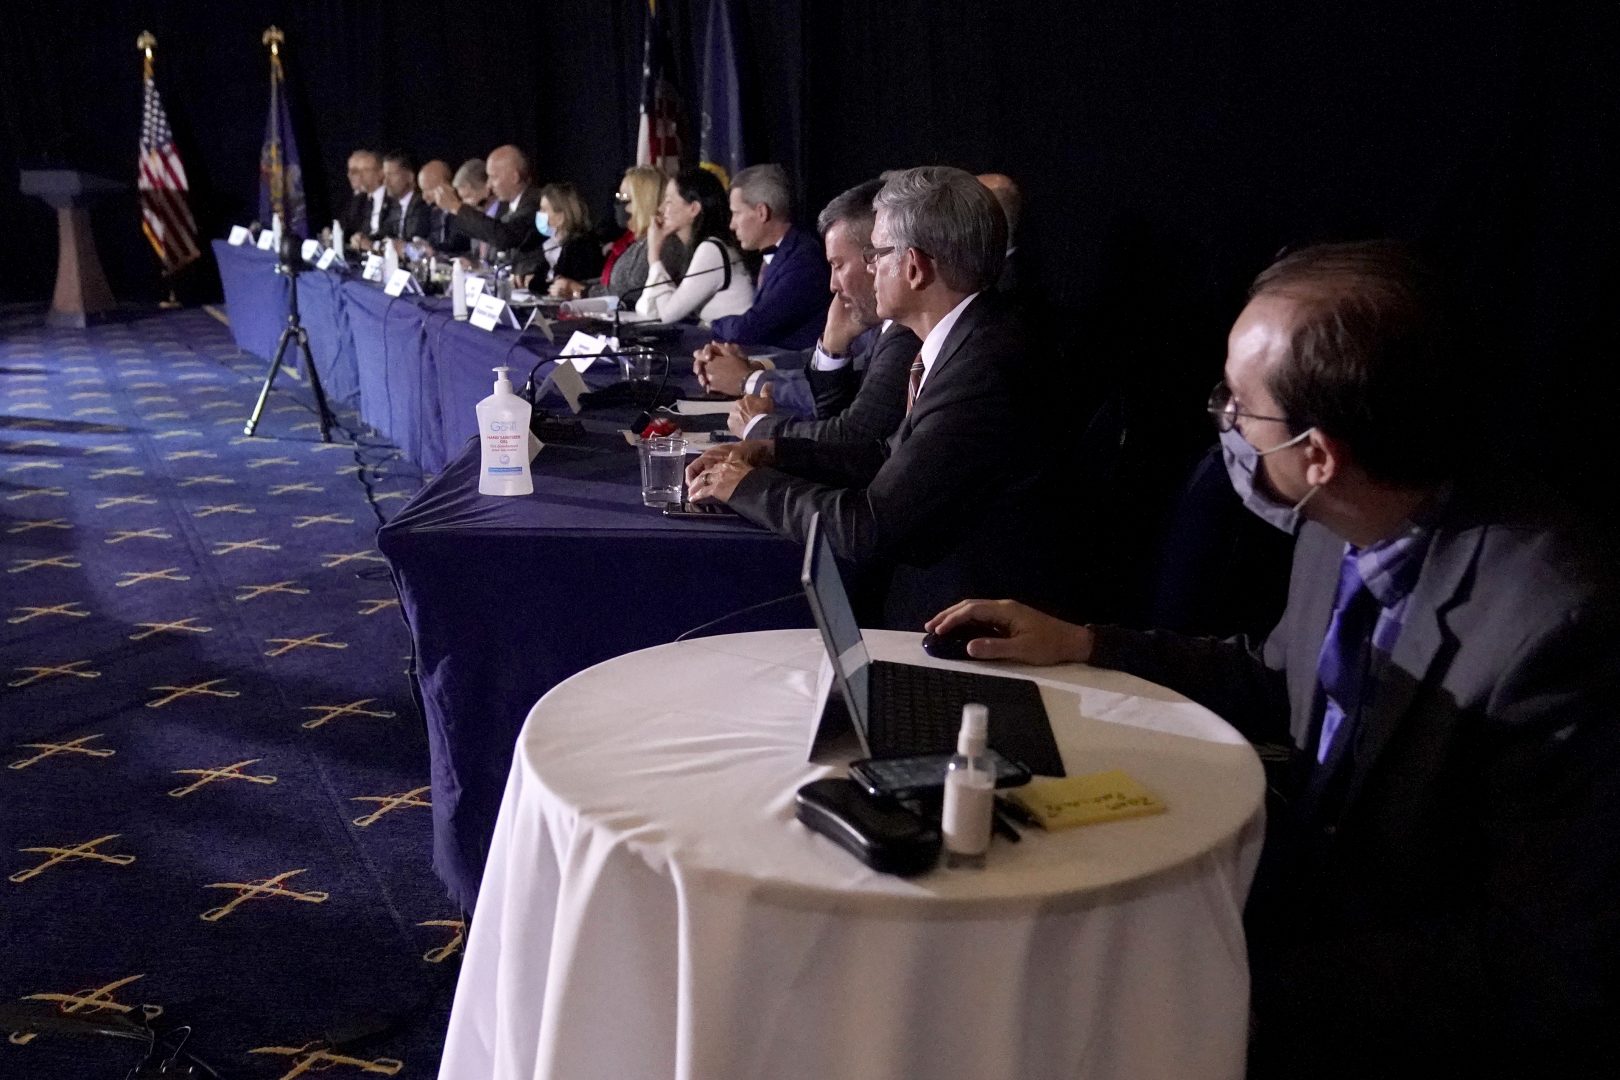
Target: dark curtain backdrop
pixel 1167 149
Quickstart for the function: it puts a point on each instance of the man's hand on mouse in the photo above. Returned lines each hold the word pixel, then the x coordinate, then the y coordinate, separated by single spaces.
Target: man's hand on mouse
pixel 1026 635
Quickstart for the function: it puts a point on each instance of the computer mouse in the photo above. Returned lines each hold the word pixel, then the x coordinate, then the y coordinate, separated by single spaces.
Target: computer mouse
pixel 952 645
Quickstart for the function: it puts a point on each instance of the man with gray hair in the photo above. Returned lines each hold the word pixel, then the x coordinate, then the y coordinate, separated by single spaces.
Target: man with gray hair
pixel 939 503
pixel 790 297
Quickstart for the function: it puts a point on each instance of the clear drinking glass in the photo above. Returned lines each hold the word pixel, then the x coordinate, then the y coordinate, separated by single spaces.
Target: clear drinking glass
pixel 663 468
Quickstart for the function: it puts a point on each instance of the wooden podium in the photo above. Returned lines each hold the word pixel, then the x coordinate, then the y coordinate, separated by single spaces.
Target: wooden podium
pixel 81 287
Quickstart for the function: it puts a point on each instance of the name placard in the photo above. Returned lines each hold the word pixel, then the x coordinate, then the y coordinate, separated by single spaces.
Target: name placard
pixel 267 240
pixel 475 289
pixel 327 260
pixel 581 349
pixel 401 283
pixel 311 250
pixel 566 379
pixel 490 312
pixel 372 271
pixel 239 236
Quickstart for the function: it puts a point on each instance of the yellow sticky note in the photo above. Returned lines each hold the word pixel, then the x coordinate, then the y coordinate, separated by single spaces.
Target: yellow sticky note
pixel 1086 800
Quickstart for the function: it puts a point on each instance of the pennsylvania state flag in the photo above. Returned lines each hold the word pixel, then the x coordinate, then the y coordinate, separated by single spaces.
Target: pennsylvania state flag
pixel 281 181
pixel 722 143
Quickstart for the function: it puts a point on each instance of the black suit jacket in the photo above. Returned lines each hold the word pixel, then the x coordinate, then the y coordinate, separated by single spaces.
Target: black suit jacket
pixel 1457 909
pixel 417 219
pixel 511 229
pixel 445 235
pixel 356 216
pixel 953 504
pixel 879 396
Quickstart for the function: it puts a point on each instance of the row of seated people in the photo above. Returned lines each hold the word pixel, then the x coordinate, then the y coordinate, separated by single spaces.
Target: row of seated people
pixel 681 247
pixel 1439 696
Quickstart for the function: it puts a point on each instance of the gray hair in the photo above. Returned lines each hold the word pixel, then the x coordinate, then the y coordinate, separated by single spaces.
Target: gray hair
pixel 471 172
pixel 854 210
pixel 949 216
pixel 767 184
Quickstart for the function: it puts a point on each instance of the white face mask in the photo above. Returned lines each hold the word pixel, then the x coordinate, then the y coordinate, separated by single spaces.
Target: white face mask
pixel 1243 465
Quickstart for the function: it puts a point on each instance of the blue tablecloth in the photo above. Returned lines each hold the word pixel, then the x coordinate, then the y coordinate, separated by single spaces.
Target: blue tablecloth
pixel 411 370
pixel 255 297
pixel 505 597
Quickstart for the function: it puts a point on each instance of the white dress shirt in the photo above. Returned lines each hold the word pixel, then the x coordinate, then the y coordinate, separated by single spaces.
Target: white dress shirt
pixel 376 210
pixel 935 341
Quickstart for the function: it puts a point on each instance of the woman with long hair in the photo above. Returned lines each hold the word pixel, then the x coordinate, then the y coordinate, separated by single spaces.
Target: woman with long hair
pixel 716 283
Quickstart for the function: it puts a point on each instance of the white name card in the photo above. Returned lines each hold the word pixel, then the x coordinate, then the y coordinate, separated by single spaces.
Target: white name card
pixel 327 259
pixel 475 289
pixel 239 236
pixel 582 347
pixel 311 249
pixel 267 240
pixel 401 283
pixel 373 268
pixel 566 379
pixel 491 311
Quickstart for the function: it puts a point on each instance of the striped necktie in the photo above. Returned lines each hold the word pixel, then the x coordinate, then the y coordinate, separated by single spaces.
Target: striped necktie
pixel 914 384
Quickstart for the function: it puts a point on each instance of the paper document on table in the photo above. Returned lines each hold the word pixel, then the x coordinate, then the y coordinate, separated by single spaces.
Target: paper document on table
pixel 1086 800
pixel 702 408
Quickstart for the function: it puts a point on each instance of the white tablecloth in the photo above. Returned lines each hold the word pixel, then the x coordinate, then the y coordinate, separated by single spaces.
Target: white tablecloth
pixel 652 909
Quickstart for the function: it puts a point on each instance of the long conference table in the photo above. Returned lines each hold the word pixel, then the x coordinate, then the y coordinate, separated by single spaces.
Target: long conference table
pixel 504 597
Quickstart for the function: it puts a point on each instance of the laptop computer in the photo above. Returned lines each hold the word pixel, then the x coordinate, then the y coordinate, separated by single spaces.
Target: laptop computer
pixel 897 710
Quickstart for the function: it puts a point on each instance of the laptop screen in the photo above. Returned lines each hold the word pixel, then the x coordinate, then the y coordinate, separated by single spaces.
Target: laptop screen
pixel 829 603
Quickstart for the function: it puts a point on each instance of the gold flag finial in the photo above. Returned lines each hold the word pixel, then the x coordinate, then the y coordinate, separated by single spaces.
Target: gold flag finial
pixel 146 43
pixel 273 37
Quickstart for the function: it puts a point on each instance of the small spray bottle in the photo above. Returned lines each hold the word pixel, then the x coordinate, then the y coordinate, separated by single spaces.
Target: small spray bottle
pixel 970 793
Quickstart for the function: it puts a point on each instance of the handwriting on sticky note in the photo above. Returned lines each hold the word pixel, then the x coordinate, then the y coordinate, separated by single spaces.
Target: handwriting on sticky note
pixel 1085 800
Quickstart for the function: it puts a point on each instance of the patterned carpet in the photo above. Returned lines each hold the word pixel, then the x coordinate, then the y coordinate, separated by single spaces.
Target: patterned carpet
pixel 214 805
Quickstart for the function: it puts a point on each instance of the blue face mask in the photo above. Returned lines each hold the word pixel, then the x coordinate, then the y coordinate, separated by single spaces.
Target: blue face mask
pixel 1243 467
pixel 543 223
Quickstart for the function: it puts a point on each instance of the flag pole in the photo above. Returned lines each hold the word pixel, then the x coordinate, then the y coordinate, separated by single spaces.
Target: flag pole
pixel 273 37
pixel 146 42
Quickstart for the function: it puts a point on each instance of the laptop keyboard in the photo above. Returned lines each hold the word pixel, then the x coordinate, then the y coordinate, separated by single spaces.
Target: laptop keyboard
pixel 918 710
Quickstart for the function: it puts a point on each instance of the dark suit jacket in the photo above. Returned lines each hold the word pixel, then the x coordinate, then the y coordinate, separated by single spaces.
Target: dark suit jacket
pixel 790 302
pixel 879 396
pixel 445 235
pixel 418 220
pixel 1458 908
pixel 356 216
pixel 511 229
pixel 953 504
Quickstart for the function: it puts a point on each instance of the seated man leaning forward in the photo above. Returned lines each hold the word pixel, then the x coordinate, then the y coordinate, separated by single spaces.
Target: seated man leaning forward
pixel 853 383
pixel 1440 888
pixel 961 481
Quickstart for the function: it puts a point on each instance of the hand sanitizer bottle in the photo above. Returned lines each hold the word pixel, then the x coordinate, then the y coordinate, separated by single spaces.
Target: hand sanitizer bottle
pixel 503 430
pixel 390 261
pixel 970 792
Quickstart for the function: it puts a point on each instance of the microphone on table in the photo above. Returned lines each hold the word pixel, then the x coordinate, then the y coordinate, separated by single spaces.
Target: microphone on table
pixel 624 388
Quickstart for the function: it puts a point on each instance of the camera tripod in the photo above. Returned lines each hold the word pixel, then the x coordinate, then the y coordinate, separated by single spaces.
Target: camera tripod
pixel 294 332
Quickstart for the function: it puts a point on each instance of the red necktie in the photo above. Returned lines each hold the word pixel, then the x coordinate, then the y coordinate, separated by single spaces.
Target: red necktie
pixel 915 382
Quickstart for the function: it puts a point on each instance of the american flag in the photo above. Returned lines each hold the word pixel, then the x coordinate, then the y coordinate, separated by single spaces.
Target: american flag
pixel 658 139
pixel 165 217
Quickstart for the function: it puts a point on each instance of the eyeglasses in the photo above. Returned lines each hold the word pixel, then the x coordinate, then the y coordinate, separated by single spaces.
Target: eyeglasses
pixel 870 254
pixel 1224 411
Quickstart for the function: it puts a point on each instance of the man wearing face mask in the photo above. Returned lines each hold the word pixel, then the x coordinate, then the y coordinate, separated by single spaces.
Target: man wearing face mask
pixel 1437 891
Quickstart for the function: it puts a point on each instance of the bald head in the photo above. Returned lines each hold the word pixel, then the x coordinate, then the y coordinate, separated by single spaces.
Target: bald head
pixel 508 172
pixel 435 174
pixel 1007 194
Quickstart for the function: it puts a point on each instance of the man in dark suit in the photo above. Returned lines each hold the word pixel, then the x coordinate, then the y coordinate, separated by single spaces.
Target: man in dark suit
pixel 363 214
pixel 406 214
pixel 511 229
pixel 1438 892
pixel 442 234
pixel 790 296
pixel 961 481
pixel 852 386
